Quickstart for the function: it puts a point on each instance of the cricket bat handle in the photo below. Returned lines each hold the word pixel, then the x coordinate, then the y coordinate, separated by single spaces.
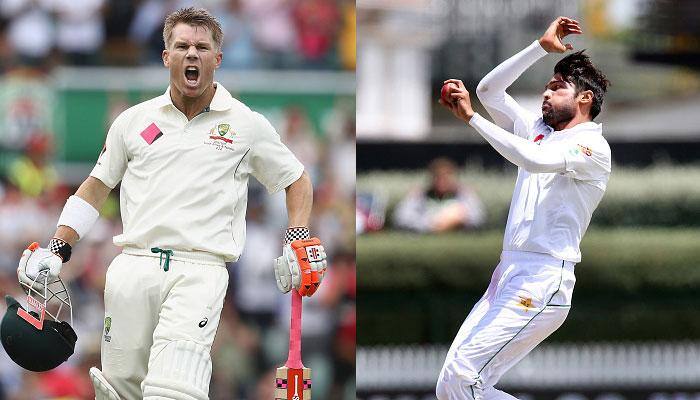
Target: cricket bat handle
pixel 293 380
pixel 294 357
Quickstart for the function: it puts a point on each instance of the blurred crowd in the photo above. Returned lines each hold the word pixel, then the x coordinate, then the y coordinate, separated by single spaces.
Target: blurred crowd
pixel 260 34
pixel 253 334
pixel 442 204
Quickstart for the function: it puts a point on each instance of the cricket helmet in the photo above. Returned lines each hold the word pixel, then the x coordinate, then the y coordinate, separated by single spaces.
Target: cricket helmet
pixel 32 341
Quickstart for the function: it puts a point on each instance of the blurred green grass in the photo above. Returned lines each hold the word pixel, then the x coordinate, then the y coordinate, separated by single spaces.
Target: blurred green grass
pixel 633 284
pixel 623 260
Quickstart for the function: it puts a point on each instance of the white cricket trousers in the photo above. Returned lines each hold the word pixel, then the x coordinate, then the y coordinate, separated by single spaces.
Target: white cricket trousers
pixel 160 325
pixel 528 298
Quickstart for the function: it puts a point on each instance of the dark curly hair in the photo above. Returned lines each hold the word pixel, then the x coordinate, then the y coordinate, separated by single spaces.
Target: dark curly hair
pixel 578 69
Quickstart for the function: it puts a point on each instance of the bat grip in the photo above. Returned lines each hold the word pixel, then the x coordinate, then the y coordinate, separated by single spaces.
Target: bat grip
pixel 294 358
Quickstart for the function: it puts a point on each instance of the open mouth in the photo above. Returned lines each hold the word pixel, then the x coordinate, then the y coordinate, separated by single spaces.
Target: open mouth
pixel 192 75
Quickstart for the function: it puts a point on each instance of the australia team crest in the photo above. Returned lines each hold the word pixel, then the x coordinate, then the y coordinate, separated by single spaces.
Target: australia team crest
pixel 221 137
pixel 220 132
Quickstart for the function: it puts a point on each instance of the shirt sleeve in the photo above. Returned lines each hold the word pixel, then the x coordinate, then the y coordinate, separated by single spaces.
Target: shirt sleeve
pixel 272 163
pixel 588 160
pixel 112 162
pixel 491 91
pixel 525 154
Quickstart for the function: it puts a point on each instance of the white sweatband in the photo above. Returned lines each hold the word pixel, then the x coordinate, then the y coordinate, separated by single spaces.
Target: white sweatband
pixel 79 215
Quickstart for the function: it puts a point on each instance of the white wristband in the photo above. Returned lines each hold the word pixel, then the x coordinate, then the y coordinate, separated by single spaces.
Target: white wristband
pixel 79 215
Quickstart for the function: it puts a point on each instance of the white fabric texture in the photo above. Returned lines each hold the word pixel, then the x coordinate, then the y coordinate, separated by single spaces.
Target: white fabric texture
pixel 550 211
pixel 178 370
pixel 187 189
pixel 79 215
pixel 528 298
pixel 103 390
pixel 562 175
pixel 491 91
pixel 157 318
pixel 525 154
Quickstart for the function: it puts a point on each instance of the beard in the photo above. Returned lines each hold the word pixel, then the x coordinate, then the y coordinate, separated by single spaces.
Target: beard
pixel 555 116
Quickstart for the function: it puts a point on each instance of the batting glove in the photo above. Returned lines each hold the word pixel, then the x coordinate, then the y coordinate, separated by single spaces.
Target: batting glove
pixel 301 266
pixel 34 260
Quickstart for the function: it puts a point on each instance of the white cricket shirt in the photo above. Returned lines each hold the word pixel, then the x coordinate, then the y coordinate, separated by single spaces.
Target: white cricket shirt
pixel 561 175
pixel 185 183
pixel 550 212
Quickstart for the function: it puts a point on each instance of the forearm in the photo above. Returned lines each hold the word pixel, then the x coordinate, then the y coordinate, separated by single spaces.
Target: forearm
pixel 521 152
pixel 299 201
pixel 495 83
pixel 93 192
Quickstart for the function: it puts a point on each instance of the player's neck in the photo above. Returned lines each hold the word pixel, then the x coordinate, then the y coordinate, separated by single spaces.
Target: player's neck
pixel 193 106
pixel 578 119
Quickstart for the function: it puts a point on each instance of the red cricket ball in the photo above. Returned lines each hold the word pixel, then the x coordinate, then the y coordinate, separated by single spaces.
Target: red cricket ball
pixel 446 92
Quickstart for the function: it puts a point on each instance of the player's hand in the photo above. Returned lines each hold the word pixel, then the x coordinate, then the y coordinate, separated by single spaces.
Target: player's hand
pixel 301 266
pixel 461 105
pixel 34 260
pixel 557 30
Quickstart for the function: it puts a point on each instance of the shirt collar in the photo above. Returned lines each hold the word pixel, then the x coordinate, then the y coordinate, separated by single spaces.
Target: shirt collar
pixel 222 98
pixel 164 99
pixel 221 102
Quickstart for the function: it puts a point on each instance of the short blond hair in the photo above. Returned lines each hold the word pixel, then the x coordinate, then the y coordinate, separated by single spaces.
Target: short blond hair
pixel 193 17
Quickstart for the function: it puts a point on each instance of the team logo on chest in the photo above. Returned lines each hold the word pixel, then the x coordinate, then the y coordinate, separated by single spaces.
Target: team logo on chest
pixel 221 136
pixel 223 129
pixel 219 132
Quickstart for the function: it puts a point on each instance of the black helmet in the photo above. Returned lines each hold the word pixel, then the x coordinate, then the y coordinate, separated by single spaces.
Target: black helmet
pixel 33 342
